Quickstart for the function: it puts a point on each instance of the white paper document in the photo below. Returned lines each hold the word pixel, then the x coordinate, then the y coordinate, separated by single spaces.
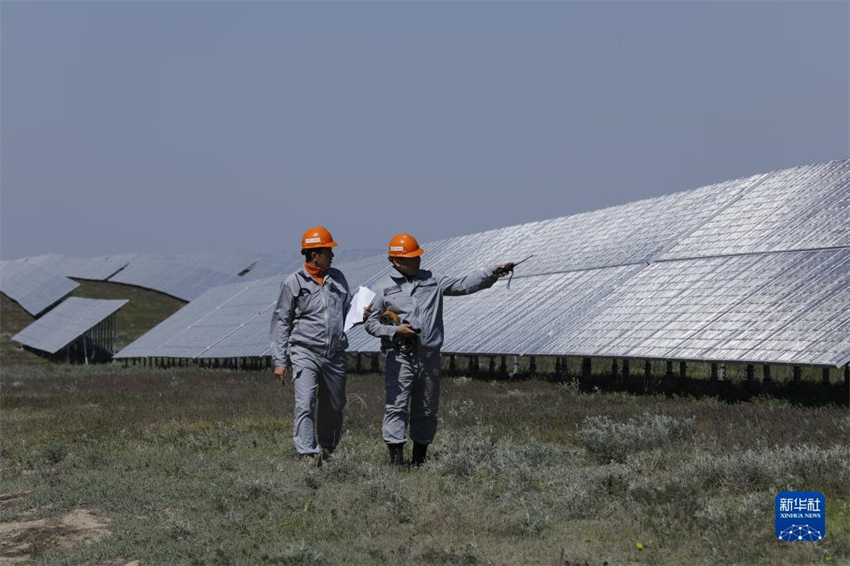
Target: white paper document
pixel 360 301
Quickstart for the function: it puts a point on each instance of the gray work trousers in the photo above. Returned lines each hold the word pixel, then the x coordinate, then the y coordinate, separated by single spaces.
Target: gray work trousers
pixel 413 397
pixel 317 379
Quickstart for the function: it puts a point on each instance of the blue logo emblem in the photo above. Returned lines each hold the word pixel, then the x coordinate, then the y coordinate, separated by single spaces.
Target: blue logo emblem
pixel 800 516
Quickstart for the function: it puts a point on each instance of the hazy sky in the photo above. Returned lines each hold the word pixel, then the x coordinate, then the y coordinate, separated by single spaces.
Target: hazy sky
pixel 225 126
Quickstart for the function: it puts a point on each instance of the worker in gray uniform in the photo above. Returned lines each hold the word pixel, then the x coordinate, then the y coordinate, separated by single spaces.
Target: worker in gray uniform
pixel 407 314
pixel 308 344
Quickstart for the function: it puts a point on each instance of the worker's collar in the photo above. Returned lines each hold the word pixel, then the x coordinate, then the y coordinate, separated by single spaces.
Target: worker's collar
pixel 305 272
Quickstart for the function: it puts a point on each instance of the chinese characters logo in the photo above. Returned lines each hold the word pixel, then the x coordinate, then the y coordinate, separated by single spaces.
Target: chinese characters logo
pixel 800 516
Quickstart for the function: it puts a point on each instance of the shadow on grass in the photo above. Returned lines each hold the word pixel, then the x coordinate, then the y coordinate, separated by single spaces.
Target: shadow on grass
pixel 804 393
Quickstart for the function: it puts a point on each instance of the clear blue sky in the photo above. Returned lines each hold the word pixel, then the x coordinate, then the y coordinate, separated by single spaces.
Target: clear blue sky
pixel 228 126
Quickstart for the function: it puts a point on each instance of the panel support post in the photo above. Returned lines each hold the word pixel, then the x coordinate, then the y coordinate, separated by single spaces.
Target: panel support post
pixel 825 379
pixel 452 364
pixel 714 372
pixel 358 363
pixel 751 373
pixel 647 368
pixel 669 368
pixel 683 370
pixel 615 369
pixel 625 369
pixel 375 367
pixel 492 364
pixel 798 374
pixel 532 365
pixel 765 373
pixel 503 368
pixel 586 368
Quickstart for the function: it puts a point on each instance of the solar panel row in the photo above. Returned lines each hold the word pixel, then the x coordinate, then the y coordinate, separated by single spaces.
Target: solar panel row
pixel 209 325
pixel 93 268
pixel 752 270
pixel 33 287
pixel 171 277
pixel 67 322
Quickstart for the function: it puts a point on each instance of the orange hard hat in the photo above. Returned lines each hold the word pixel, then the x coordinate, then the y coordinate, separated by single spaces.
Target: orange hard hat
pixel 404 245
pixel 317 237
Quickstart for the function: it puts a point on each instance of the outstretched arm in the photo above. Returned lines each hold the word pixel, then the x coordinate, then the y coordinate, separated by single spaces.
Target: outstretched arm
pixel 476 281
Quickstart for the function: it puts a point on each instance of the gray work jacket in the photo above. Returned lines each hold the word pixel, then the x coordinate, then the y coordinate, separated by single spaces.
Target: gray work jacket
pixel 310 316
pixel 419 302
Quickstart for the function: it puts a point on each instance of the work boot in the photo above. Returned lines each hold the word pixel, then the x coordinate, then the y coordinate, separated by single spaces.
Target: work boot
pixel 327 452
pixel 420 452
pixel 396 454
pixel 310 459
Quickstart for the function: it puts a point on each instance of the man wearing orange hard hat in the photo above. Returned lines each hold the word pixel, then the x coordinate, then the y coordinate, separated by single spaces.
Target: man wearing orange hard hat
pixel 407 314
pixel 308 344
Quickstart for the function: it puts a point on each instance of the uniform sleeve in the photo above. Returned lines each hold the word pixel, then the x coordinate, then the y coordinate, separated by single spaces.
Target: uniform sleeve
pixel 282 317
pixel 475 281
pixel 373 324
pixel 347 300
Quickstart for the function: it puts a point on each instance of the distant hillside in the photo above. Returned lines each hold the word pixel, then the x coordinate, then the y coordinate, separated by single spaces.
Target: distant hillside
pixel 145 310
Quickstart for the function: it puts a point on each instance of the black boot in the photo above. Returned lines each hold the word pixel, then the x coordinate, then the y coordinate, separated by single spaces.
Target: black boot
pixel 420 452
pixel 327 451
pixel 396 454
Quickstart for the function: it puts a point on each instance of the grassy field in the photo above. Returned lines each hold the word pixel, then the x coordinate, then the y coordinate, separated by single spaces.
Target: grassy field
pixel 109 465
pixel 145 310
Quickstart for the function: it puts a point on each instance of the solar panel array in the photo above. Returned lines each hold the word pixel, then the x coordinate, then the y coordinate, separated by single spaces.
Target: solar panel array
pixel 627 234
pixel 67 322
pixel 795 209
pixel 751 270
pixel 784 308
pixel 93 268
pixel 166 275
pixel 211 325
pixel 33 287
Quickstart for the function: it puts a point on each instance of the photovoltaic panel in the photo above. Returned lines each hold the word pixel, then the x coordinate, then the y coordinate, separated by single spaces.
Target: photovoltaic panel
pixel 45 261
pixel 65 323
pixel 274 265
pixel 638 280
pixel 243 324
pixel 172 278
pixel 794 209
pixel 196 329
pixel 232 263
pixel 736 308
pixel 513 321
pixel 151 342
pixel 621 235
pixel 94 268
pixel 365 271
pixel 33 287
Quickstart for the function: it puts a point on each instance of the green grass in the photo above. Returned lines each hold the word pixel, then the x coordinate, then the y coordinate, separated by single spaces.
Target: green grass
pixel 145 310
pixel 197 466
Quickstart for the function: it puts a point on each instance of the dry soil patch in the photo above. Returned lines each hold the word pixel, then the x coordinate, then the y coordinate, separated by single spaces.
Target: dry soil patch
pixel 17 539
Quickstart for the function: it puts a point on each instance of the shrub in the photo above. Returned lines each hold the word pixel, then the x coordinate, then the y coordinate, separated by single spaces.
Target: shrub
pixel 609 440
